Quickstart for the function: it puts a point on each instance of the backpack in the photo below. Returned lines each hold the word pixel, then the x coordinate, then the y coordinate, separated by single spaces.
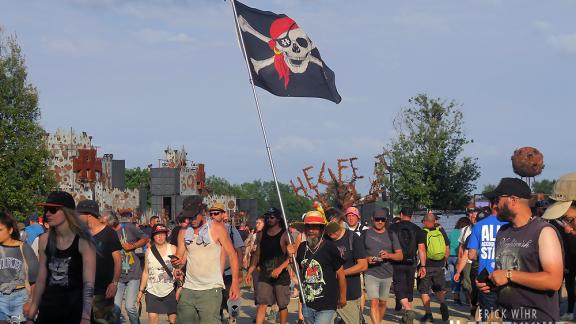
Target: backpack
pixel 408 243
pixel 435 244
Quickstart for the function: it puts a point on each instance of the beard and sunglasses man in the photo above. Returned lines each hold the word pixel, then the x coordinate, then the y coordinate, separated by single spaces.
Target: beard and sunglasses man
pixel 271 262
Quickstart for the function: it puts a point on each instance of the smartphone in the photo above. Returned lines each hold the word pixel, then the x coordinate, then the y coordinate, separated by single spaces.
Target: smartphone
pixel 484 277
pixel 171 256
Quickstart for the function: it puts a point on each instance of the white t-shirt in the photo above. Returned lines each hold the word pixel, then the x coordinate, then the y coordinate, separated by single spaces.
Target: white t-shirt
pixel 159 283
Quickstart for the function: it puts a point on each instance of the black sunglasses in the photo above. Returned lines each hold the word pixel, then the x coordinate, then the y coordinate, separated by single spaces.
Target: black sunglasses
pixel 379 219
pixel 51 209
pixel 215 213
pixel 271 217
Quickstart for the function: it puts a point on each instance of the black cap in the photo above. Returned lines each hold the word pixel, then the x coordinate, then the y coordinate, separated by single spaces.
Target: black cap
pixel 88 207
pixel 59 199
pixel 382 213
pixel 159 228
pixel 510 187
pixel 192 202
pixel 273 211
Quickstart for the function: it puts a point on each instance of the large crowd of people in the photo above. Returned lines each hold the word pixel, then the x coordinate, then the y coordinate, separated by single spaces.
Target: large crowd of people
pixel 80 264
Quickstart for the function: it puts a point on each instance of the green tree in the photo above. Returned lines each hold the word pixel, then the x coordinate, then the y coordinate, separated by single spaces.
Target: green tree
pixel 426 159
pixel 264 193
pixel 25 178
pixel 544 186
pixel 488 188
pixel 137 178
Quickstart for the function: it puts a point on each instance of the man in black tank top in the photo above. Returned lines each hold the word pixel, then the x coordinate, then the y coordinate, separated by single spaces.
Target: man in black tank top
pixel 271 261
pixel 529 268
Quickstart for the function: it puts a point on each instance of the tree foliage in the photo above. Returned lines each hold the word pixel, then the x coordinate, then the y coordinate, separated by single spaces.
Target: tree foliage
pixel 264 192
pixel 426 159
pixel 137 178
pixel 544 186
pixel 25 178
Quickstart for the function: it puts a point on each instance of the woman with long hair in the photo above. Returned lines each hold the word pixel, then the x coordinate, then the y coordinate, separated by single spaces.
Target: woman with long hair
pixel 157 280
pixel 17 273
pixel 67 257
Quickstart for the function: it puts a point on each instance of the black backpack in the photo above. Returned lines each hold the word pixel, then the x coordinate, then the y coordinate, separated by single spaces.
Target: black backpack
pixel 407 242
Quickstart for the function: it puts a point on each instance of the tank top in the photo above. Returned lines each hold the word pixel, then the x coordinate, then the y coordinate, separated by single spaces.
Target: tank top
pixel 64 269
pixel 159 283
pixel 271 256
pixel 517 249
pixel 203 269
pixel 62 298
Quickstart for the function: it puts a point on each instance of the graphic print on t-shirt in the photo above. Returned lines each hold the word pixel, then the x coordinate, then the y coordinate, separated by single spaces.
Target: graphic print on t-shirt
pixel 313 279
pixel 59 271
pixel 159 275
pixel 508 257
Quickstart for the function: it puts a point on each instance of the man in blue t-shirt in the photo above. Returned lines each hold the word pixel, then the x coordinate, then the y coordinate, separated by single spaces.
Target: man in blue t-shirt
pixel 482 247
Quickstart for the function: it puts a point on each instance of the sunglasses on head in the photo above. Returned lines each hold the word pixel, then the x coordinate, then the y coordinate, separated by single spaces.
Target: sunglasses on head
pixel 215 213
pixel 51 209
pixel 379 219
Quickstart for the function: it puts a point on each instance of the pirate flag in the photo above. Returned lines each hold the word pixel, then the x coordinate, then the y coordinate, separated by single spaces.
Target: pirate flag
pixel 283 59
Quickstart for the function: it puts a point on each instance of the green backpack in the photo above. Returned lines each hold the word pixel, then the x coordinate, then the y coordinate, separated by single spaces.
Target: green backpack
pixel 435 244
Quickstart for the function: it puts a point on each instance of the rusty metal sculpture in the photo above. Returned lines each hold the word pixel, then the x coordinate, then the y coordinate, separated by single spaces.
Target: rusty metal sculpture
pixel 86 165
pixel 527 162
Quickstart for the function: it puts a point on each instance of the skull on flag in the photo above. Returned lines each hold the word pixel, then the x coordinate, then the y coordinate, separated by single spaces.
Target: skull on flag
pixel 291 46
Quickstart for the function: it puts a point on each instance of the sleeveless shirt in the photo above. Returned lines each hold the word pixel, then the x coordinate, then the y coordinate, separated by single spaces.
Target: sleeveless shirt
pixel 159 283
pixel 271 256
pixel 518 249
pixel 203 269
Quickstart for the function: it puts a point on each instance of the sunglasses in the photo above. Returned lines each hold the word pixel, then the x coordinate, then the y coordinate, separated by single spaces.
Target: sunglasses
pixel 271 217
pixel 51 209
pixel 215 213
pixel 376 220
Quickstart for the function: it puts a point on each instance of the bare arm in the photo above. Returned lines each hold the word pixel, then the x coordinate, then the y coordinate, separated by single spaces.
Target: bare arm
pixel 143 279
pixel 360 266
pixel 88 252
pixel 396 256
pixel 341 286
pixel 181 249
pixel 422 254
pixel 220 233
pixel 111 289
pixel 40 278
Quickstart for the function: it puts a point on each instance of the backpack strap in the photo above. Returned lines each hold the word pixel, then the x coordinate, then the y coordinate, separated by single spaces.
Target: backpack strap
pixel 156 254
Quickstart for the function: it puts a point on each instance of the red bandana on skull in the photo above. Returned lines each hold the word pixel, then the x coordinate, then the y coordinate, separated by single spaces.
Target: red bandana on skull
pixel 279 27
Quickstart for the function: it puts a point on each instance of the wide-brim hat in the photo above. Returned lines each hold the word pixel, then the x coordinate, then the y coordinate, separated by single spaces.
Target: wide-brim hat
pixel 59 199
pixel 312 217
pixel 564 194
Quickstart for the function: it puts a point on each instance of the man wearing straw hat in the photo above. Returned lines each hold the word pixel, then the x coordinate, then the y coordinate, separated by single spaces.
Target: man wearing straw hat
pixel 321 269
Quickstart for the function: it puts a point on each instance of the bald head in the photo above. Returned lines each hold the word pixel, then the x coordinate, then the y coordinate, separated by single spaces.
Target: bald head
pixel 430 217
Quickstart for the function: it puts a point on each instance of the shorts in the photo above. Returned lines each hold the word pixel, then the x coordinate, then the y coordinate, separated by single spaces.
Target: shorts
pixel 11 305
pixel 161 305
pixel 377 288
pixel 269 294
pixel 434 280
pixel 404 281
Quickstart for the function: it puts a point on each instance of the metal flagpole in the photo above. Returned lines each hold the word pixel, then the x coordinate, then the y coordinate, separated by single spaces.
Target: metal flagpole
pixel 270 160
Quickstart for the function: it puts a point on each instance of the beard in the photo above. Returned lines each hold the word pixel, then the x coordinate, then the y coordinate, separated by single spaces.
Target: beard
pixel 505 214
pixel 312 241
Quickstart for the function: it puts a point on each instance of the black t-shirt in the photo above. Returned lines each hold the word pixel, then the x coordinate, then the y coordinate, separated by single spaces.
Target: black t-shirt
pixel 319 275
pixel 351 248
pixel 434 263
pixel 106 242
pixel 415 235
pixel 174 235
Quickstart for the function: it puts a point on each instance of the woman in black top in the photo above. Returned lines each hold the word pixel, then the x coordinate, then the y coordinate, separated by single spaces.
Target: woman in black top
pixel 65 284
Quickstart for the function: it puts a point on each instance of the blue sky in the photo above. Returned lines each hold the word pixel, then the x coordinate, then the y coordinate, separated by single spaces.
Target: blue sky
pixel 141 75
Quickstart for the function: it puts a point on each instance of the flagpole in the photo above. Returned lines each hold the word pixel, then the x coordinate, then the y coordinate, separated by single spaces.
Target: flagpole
pixel 270 160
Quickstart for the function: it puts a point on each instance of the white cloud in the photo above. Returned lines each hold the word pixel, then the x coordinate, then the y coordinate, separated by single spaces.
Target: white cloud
pixel 154 36
pixel 565 42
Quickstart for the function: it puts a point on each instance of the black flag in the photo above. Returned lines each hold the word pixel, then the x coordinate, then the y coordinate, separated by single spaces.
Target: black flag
pixel 283 59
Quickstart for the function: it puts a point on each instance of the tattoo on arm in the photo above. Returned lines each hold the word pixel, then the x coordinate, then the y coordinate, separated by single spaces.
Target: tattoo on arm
pixel 88 296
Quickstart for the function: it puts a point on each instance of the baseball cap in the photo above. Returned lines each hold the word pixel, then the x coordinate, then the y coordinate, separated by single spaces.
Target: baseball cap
pixel 352 210
pixel 564 194
pixel 510 187
pixel 217 206
pixel 159 228
pixel 88 207
pixel 273 211
pixel 59 199
pixel 382 213
pixel 33 217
